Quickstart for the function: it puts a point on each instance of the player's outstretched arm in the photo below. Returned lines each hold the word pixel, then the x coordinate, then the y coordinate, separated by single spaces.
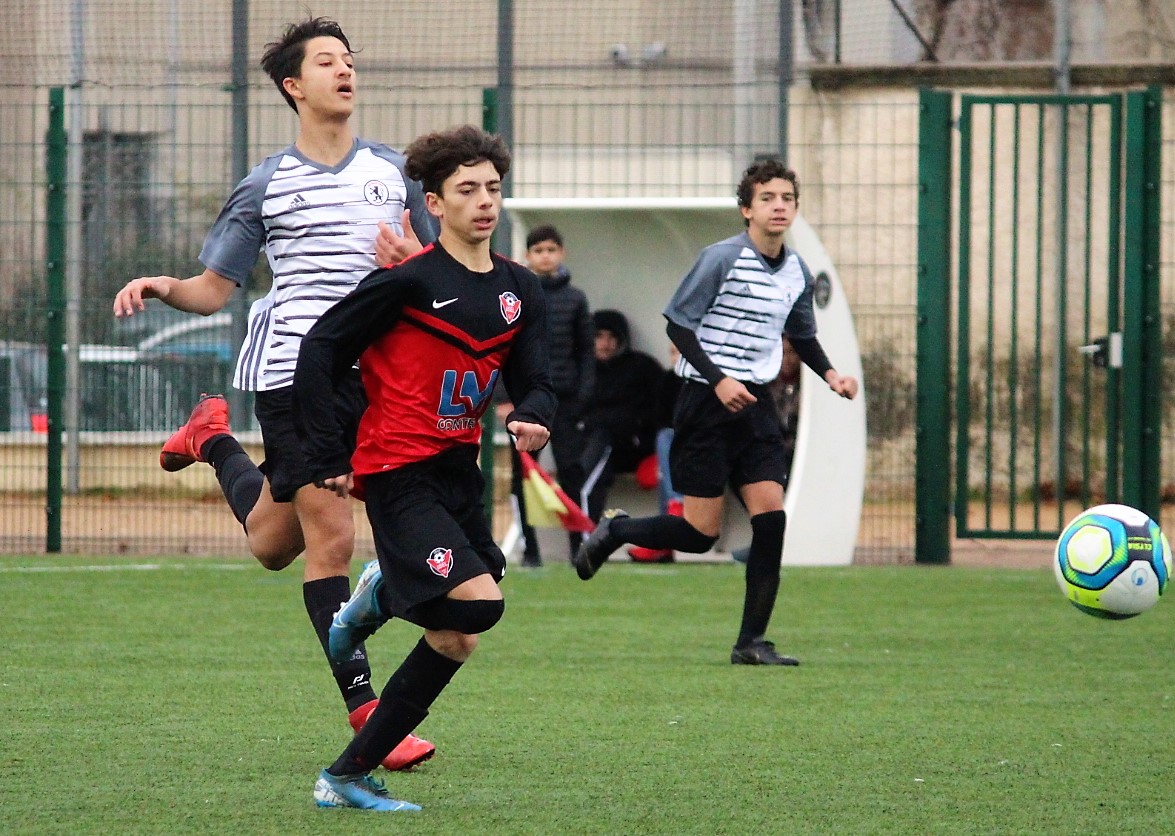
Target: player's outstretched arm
pixel 204 294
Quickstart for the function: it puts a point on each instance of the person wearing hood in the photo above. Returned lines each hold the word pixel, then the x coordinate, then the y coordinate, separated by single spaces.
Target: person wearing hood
pixel 571 353
pixel 623 416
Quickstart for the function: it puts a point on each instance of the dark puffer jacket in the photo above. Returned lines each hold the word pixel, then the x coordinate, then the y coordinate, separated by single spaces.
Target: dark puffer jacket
pixel 572 348
pixel 625 402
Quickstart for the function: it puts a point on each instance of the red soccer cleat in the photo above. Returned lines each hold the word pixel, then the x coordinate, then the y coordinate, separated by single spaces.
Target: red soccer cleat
pixel 208 418
pixel 411 751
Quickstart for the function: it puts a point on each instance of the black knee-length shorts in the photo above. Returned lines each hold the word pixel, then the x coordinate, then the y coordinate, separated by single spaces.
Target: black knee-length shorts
pixel 430 528
pixel 714 448
pixel 284 464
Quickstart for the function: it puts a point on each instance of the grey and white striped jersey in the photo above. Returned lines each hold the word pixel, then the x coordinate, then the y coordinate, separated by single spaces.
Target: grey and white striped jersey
pixel 317 226
pixel 740 307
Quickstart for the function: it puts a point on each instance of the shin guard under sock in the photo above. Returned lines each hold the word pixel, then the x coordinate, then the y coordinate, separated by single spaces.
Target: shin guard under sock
pixel 762 575
pixel 323 598
pixel 404 703
pixel 240 480
pixel 663 532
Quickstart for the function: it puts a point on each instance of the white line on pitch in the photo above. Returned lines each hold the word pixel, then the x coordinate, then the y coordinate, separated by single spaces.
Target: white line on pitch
pixel 127 567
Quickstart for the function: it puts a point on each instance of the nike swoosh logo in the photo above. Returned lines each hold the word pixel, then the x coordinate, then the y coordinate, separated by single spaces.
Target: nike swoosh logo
pixel 437 304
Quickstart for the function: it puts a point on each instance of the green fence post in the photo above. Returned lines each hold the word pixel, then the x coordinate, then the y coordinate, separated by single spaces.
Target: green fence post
pixel 933 416
pixel 55 164
pixel 5 394
pixel 1142 322
pixel 489 121
pixel 1152 384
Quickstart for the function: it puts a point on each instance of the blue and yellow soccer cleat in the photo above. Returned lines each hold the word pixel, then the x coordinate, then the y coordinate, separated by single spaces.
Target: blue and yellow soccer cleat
pixel 359 617
pixel 359 791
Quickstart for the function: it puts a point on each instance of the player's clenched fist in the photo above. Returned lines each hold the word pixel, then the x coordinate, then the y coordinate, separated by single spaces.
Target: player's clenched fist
pixel 528 437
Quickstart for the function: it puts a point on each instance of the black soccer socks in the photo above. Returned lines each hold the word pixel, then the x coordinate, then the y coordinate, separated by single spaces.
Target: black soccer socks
pixel 323 599
pixel 239 478
pixel 663 532
pixel 762 574
pixel 404 703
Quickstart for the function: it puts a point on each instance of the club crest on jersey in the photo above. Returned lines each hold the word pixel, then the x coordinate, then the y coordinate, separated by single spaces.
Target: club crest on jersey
pixel 376 192
pixel 511 306
pixel 440 561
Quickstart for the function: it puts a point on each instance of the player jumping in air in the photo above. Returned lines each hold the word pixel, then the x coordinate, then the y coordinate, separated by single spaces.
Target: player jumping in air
pixel 317 208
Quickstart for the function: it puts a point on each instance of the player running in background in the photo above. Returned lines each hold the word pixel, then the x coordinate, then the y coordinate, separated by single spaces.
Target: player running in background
pixel 316 207
pixel 726 319
pixel 434 335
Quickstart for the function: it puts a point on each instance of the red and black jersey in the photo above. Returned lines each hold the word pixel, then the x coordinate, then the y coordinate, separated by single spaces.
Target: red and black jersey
pixel 432 339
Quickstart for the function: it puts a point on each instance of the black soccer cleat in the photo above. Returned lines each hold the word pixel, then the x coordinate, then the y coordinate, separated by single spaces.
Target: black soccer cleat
pixel 597 547
pixel 760 652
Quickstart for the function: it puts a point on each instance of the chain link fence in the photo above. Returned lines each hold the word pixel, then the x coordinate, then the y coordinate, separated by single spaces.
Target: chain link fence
pixel 640 100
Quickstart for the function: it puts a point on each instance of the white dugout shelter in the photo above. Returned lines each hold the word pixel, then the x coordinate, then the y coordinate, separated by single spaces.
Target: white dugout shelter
pixel 630 254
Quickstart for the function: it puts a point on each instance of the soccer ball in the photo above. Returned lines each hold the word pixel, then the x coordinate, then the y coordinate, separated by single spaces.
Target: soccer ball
pixel 1112 561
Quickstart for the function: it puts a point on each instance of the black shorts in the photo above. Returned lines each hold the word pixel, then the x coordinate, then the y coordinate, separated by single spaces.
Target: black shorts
pixel 714 448
pixel 284 464
pixel 430 528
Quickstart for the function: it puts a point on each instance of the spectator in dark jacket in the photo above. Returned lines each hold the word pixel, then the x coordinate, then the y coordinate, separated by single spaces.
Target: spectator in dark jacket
pixel 573 369
pixel 622 420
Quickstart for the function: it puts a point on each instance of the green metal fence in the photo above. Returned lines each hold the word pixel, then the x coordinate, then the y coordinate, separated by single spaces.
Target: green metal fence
pixel 160 157
pixel 1058 355
pixel 1038 420
pixel 138 381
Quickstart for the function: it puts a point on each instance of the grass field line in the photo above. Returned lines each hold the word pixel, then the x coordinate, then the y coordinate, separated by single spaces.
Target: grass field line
pixel 126 567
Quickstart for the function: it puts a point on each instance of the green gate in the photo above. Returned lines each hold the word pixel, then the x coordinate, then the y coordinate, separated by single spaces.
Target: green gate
pixel 1057 347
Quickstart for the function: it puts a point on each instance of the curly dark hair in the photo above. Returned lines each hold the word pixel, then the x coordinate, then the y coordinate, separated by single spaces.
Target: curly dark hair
pixel 435 156
pixel 282 59
pixel 763 171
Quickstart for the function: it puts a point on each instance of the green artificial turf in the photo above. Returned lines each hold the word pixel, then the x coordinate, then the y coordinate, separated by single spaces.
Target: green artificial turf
pixel 190 696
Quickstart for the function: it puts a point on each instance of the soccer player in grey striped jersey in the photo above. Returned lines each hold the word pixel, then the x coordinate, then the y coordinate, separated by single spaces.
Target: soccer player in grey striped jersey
pixel 726 319
pixel 321 209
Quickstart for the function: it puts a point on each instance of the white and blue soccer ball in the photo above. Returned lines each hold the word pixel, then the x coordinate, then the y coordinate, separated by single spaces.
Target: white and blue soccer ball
pixel 1112 561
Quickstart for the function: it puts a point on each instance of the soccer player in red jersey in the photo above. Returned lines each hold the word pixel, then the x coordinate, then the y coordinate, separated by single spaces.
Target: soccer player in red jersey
pixel 432 336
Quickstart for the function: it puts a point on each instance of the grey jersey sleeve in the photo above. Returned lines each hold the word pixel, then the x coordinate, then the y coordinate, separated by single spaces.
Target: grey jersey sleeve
pixel 801 322
pixel 232 245
pixel 701 284
pixel 423 223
